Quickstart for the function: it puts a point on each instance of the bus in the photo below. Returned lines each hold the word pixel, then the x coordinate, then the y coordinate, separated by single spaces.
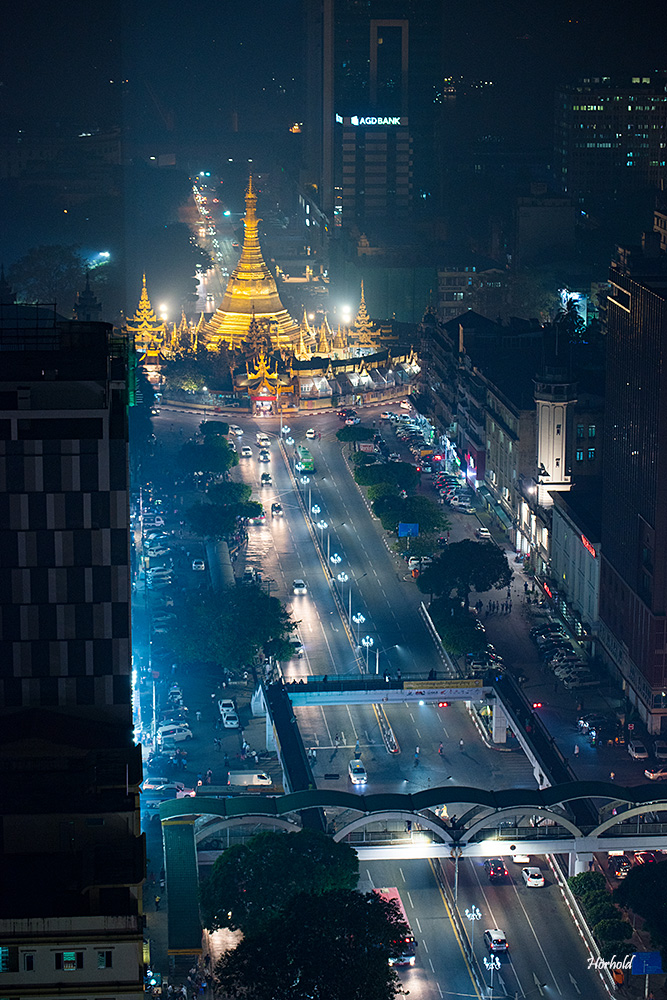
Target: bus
pixel 405 946
pixel 304 460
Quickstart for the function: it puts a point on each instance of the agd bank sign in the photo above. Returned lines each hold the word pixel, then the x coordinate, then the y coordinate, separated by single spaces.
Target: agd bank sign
pixel 366 121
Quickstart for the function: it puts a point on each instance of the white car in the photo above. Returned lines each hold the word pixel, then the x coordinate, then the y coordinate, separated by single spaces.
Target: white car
pixel 230 720
pixel 246 451
pixel 198 564
pixel 357 772
pixel 299 587
pixel 226 705
pixel 495 939
pixel 532 877
pixel 235 429
pixel 483 533
pixel 637 750
pixel 310 433
pixel 656 773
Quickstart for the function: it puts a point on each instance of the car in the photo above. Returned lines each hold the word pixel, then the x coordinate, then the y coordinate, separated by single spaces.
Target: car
pixel 155 410
pixel 235 429
pixel 297 648
pixel 226 705
pixel 230 720
pixel 532 877
pixel 310 433
pixel 495 869
pixel 277 510
pixel 495 939
pixel 177 733
pixel 658 773
pixel 521 859
pixel 265 479
pixel 637 750
pixel 164 617
pixel 262 439
pixel 357 772
pixel 660 749
pixel 387 415
pixel 351 421
pixel 236 244
pixel 619 865
pixel 154 552
pixel 246 451
pixel 157 571
pixel 153 521
pixel 153 783
pixel 483 533
pixel 299 587
pixel 198 565
pixel 264 456
pixel 645 857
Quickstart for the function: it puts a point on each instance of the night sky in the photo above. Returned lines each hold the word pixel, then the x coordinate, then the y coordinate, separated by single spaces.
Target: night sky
pixel 194 64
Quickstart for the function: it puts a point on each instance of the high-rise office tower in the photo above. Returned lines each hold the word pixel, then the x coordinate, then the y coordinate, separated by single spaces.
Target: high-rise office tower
pixel 633 578
pixel 610 135
pixel 72 859
pixel 374 82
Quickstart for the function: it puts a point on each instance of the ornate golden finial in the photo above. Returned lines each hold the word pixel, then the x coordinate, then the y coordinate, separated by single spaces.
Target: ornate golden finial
pixel 323 345
pixel 362 324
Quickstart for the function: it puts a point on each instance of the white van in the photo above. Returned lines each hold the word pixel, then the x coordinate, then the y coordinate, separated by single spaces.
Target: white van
pixel 248 778
pixel 263 439
pixel 177 733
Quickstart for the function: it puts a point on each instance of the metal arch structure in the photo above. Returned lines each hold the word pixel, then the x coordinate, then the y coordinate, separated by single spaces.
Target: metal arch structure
pixel 214 826
pixel 442 832
pixel 642 798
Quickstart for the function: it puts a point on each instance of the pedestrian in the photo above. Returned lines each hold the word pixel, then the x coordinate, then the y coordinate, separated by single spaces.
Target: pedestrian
pixel 198 716
pixel 357 749
pixel 336 741
pixel 225 760
pixel 209 777
pixel 525 587
pixel 157 903
pixel 612 775
pixel 217 744
pixel 416 756
pixel 509 608
pixel 576 750
pixel 440 749
pixel 408 826
pixel 460 744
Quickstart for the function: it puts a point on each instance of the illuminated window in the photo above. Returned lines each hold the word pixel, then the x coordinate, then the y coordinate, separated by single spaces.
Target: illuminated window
pixel 591 454
pixel 104 959
pixel 591 430
pixel 68 961
pixel 579 455
pixel 580 430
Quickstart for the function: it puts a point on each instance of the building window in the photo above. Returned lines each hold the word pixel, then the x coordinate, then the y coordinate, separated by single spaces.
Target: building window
pixel 9 959
pixel 104 959
pixel 68 961
pixel 591 454
pixel 28 961
pixel 558 429
pixel 580 430
pixel 591 430
pixel 579 455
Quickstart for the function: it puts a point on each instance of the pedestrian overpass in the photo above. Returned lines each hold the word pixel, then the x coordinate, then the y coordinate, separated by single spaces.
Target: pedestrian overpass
pixel 402 826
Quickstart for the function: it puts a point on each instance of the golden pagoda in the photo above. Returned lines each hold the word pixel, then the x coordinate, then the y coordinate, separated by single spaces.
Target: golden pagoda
pixel 148 332
pixel 251 292
pixel 363 326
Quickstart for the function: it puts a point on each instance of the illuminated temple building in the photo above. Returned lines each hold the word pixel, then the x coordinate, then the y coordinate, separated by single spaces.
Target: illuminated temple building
pixel 275 361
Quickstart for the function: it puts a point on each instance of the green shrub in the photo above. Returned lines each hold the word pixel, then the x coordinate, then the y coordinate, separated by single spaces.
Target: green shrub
pixel 613 930
pixel 586 882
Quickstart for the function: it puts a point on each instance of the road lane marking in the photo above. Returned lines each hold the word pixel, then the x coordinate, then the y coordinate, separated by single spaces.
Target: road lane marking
pixel 401 871
pixel 410 899
pixel 456 934
pixel 537 940
pixel 431 964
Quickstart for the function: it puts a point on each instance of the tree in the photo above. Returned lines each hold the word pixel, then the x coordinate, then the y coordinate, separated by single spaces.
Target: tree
pixel 465 566
pixel 212 520
pixel 570 322
pixel 355 433
pixel 334 946
pixel 643 891
pixel 213 457
pixel 586 882
pixel 381 490
pixel 403 475
pixel 456 627
pixel 411 510
pixel 215 428
pixel 229 492
pixel 230 632
pixel 363 458
pixel 252 883
pixel 49 274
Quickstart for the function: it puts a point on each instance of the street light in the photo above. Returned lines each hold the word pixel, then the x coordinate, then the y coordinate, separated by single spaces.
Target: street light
pixel 336 559
pixel 492 963
pixel 473 914
pixel 358 620
pixel 377 655
pixel 305 480
pixel 367 642
pixel 316 509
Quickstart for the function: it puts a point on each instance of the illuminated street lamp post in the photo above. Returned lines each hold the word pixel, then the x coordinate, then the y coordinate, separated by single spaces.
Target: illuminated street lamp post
pixel 367 642
pixel 358 620
pixel 492 963
pixel 335 559
pixel 343 578
pixel 473 914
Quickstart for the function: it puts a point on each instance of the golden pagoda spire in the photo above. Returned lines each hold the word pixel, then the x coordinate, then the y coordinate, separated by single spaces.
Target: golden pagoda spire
pixel 145 325
pixel 251 290
pixel 362 324
pixel 323 345
pixel 303 350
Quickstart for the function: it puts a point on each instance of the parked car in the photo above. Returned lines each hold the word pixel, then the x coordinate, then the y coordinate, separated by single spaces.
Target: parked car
pixel 637 750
